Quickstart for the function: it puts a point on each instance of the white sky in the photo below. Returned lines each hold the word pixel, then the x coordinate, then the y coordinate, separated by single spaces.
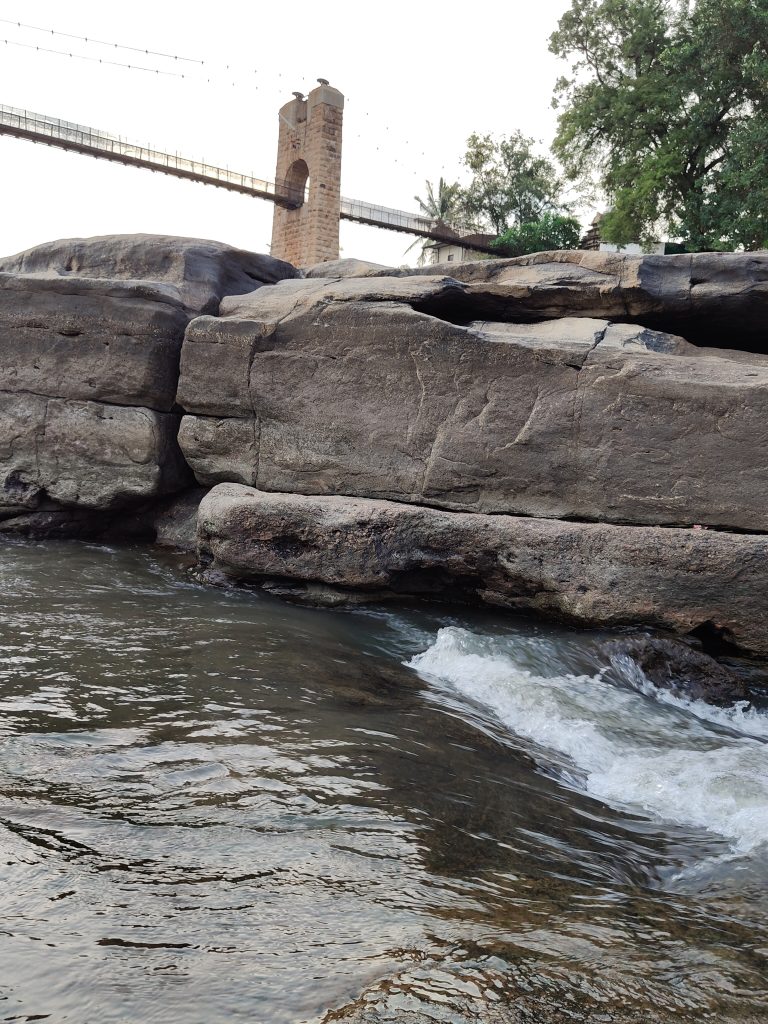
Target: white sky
pixel 418 77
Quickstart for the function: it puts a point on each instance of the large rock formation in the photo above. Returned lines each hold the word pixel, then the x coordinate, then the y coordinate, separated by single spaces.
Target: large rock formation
pixel 90 339
pixel 717 299
pixel 536 434
pixel 344 387
pixel 582 573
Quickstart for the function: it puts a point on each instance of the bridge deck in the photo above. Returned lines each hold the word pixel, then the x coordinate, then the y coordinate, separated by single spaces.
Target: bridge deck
pixel 24 124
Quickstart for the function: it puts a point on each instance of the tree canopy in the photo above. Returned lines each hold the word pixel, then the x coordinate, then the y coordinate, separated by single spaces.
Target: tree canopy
pixel 551 231
pixel 510 184
pixel 442 203
pixel 666 108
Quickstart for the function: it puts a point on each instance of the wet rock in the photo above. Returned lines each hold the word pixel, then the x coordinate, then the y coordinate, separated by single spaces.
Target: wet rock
pixel 345 387
pixel 677 667
pixel 174 521
pixel 584 573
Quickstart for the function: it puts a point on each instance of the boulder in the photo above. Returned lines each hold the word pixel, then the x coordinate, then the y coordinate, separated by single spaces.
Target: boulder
pixel 56 453
pixel 346 268
pixel 90 339
pixel 327 387
pixel 199 272
pixel 105 341
pixel 676 667
pixel 589 574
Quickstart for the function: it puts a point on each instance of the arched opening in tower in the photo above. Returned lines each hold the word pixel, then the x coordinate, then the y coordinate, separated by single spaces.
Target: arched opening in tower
pixel 296 182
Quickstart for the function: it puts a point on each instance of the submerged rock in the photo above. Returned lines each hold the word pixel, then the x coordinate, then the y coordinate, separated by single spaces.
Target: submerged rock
pixel 585 573
pixel 675 666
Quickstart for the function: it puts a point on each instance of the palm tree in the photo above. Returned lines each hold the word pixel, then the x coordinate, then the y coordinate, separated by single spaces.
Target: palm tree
pixel 440 206
pixel 444 204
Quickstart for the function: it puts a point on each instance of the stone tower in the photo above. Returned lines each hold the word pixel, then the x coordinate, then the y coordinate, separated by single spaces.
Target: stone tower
pixel 309 152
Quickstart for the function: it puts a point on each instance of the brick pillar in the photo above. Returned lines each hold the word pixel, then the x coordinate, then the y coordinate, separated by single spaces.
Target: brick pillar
pixel 309 144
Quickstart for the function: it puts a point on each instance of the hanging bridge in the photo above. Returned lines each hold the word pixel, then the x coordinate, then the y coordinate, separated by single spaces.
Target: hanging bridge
pixel 77 138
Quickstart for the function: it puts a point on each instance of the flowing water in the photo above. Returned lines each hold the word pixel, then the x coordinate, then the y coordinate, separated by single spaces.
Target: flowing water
pixel 216 807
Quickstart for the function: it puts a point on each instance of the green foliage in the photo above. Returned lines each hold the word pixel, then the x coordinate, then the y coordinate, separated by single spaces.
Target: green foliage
pixel 667 109
pixel 510 185
pixel 442 205
pixel 552 231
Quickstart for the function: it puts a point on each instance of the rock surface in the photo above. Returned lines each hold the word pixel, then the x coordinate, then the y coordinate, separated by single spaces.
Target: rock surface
pixel 674 666
pixel 590 574
pixel 717 299
pixel 84 455
pixel 105 341
pixel 344 387
pixel 90 339
pixel 197 271
pixel 347 268
pixel 563 387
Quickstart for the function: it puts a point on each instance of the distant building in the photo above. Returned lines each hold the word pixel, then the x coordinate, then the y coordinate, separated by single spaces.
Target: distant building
pixel 456 248
pixel 592 241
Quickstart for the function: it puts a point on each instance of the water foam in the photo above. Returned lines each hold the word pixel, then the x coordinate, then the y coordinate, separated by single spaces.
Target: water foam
pixel 678 761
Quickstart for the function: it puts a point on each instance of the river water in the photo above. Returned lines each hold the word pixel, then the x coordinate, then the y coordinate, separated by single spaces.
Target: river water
pixel 218 807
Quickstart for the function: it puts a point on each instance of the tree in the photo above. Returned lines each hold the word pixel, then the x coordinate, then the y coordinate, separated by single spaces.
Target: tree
pixel 442 206
pixel 552 231
pixel 666 110
pixel 510 185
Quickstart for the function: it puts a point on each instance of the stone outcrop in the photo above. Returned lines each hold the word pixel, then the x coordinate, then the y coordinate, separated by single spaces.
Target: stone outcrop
pixel 198 272
pixel 715 299
pixel 348 387
pixel 589 574
pixel 90 339
pixel 538 434
pixel 348 268
pixel 56 452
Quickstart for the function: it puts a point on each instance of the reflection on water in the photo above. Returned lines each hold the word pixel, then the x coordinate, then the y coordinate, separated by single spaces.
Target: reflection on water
pixel 215 807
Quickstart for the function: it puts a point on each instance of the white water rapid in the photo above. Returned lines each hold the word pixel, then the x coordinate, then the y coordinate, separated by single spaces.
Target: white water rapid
pixel 676 761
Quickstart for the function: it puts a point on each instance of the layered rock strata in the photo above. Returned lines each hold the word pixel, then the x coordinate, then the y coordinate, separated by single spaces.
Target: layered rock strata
pixel 578 572
pixel 716 299
pixel 344 387
pixel 90 339
pixel 538 434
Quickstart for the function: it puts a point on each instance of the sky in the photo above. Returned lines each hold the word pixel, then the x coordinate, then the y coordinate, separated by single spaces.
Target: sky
pixel 418 79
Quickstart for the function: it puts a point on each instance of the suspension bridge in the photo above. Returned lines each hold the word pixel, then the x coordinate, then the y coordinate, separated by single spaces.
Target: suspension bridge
pixel 289 193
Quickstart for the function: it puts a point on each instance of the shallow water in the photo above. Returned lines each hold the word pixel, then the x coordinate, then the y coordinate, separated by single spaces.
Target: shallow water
pixel 217 807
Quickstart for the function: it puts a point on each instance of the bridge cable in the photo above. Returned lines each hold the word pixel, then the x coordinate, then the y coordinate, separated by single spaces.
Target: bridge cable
pixel 214 68
pixel 97 60
pixel 100 42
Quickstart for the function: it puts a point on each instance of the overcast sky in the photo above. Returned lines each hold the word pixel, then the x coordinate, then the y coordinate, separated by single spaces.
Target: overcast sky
pixel 418 78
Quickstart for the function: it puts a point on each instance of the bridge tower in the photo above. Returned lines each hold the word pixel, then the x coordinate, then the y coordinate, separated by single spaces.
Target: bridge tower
pixel 309 152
